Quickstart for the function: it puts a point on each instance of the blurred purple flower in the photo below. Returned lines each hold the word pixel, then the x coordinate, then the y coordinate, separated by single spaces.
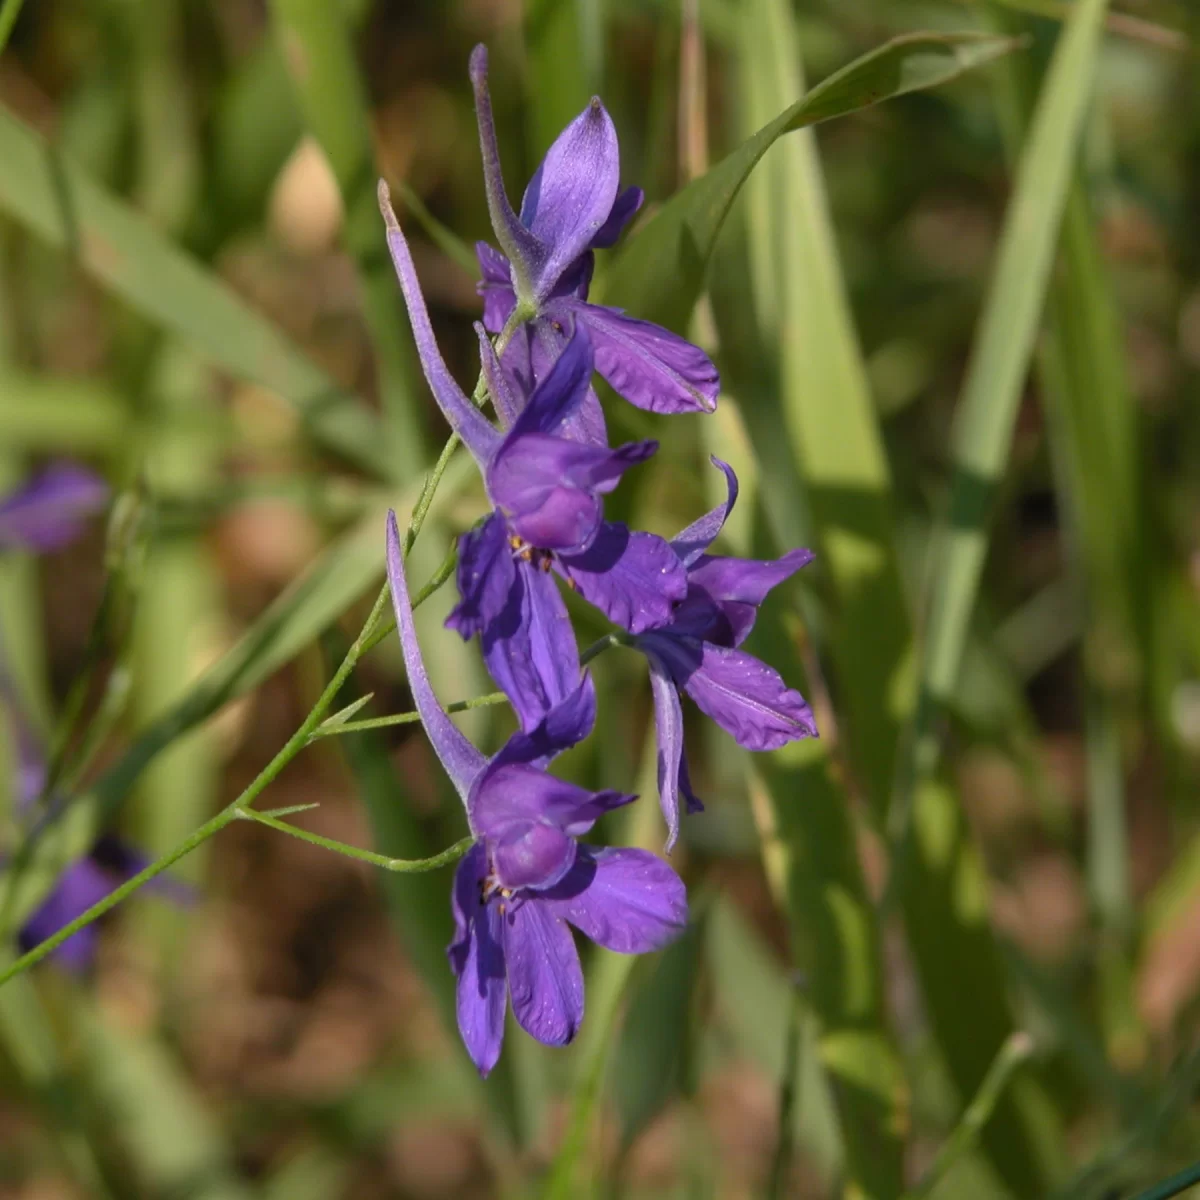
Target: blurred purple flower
pixel 571 207
pixel 84 882
pixel 527 878
pixel 546 489
pixel 49 510
pixel 43 515
pixel 697 650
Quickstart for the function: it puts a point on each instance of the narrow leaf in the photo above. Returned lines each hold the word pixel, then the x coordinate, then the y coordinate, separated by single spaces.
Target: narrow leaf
pixel 59 202
pixel 660 271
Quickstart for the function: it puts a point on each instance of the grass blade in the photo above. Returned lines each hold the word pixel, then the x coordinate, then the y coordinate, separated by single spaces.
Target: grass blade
pixel 659 272
pixel 1000 361
pixel 60 203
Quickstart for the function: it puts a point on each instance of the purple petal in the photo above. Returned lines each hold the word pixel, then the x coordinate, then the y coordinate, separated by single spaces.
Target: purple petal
pixel 571 194
pixel 531 855
pixel 726 593
pixel 649 365
pixel 528 359
pixel 462 762
pixel 546 341
pixel 49 511
pixel 624 207
pixel 633 578
pixel 525 632
pixel 741 693
pixel 545 981
pixel 477 433
pixel 565 725
pixel 507 402
pixel 495 286
pixel 559 391
pixel 549 487
pixel 477 960
pixel 82 884
pixel 486 576
pixel 510 795
pixel 668 732
pixel 625 900
pixel 525 252
pixel 701 534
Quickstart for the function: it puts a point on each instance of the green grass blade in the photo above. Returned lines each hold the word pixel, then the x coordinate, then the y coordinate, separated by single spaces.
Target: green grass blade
pixel 1095 441
pixel 28 1042
pixel 44 413
pixel 752 999
pixel 314 37
pixel 659 272
pixel 60 203
pixel 145 1100
pixel 1001 359
pixel 827 406
pixel 565 48
pixel 177 606
pixel 838 465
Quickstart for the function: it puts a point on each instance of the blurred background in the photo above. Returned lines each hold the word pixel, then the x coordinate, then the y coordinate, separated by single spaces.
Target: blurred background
pixel 195 301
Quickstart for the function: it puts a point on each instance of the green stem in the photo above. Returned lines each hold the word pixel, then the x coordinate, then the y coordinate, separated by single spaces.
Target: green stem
pixel 196 838
pixel 291 748
pixel 8 18
pixel 788 1097
pixel 399 865
pixel 1017 1048
pixel 404 718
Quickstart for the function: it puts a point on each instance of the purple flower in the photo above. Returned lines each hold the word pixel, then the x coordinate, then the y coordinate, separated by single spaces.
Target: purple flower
pixel 547 491
pixel 571 207
pixel 48 512
pixel 43 515
pixel 697 650
pixel 527 878
pixel 84 882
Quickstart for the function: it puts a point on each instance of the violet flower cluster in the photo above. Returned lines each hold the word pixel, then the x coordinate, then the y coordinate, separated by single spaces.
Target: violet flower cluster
pixel 546 469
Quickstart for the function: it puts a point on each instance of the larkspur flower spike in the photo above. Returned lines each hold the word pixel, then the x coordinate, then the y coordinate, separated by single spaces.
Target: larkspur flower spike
pixel 527 878
pixel 547 488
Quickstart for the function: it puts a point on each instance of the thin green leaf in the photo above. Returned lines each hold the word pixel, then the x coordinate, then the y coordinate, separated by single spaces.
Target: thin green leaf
pixel 146 1101
pixel 660 271
pixel 40 413
pixel 1001 359
pixel 58 201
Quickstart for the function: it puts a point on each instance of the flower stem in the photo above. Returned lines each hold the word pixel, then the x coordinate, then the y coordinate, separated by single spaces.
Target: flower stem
pixel 1017 1048
pixel 404 718
pixel 399 865
pixel 290 749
